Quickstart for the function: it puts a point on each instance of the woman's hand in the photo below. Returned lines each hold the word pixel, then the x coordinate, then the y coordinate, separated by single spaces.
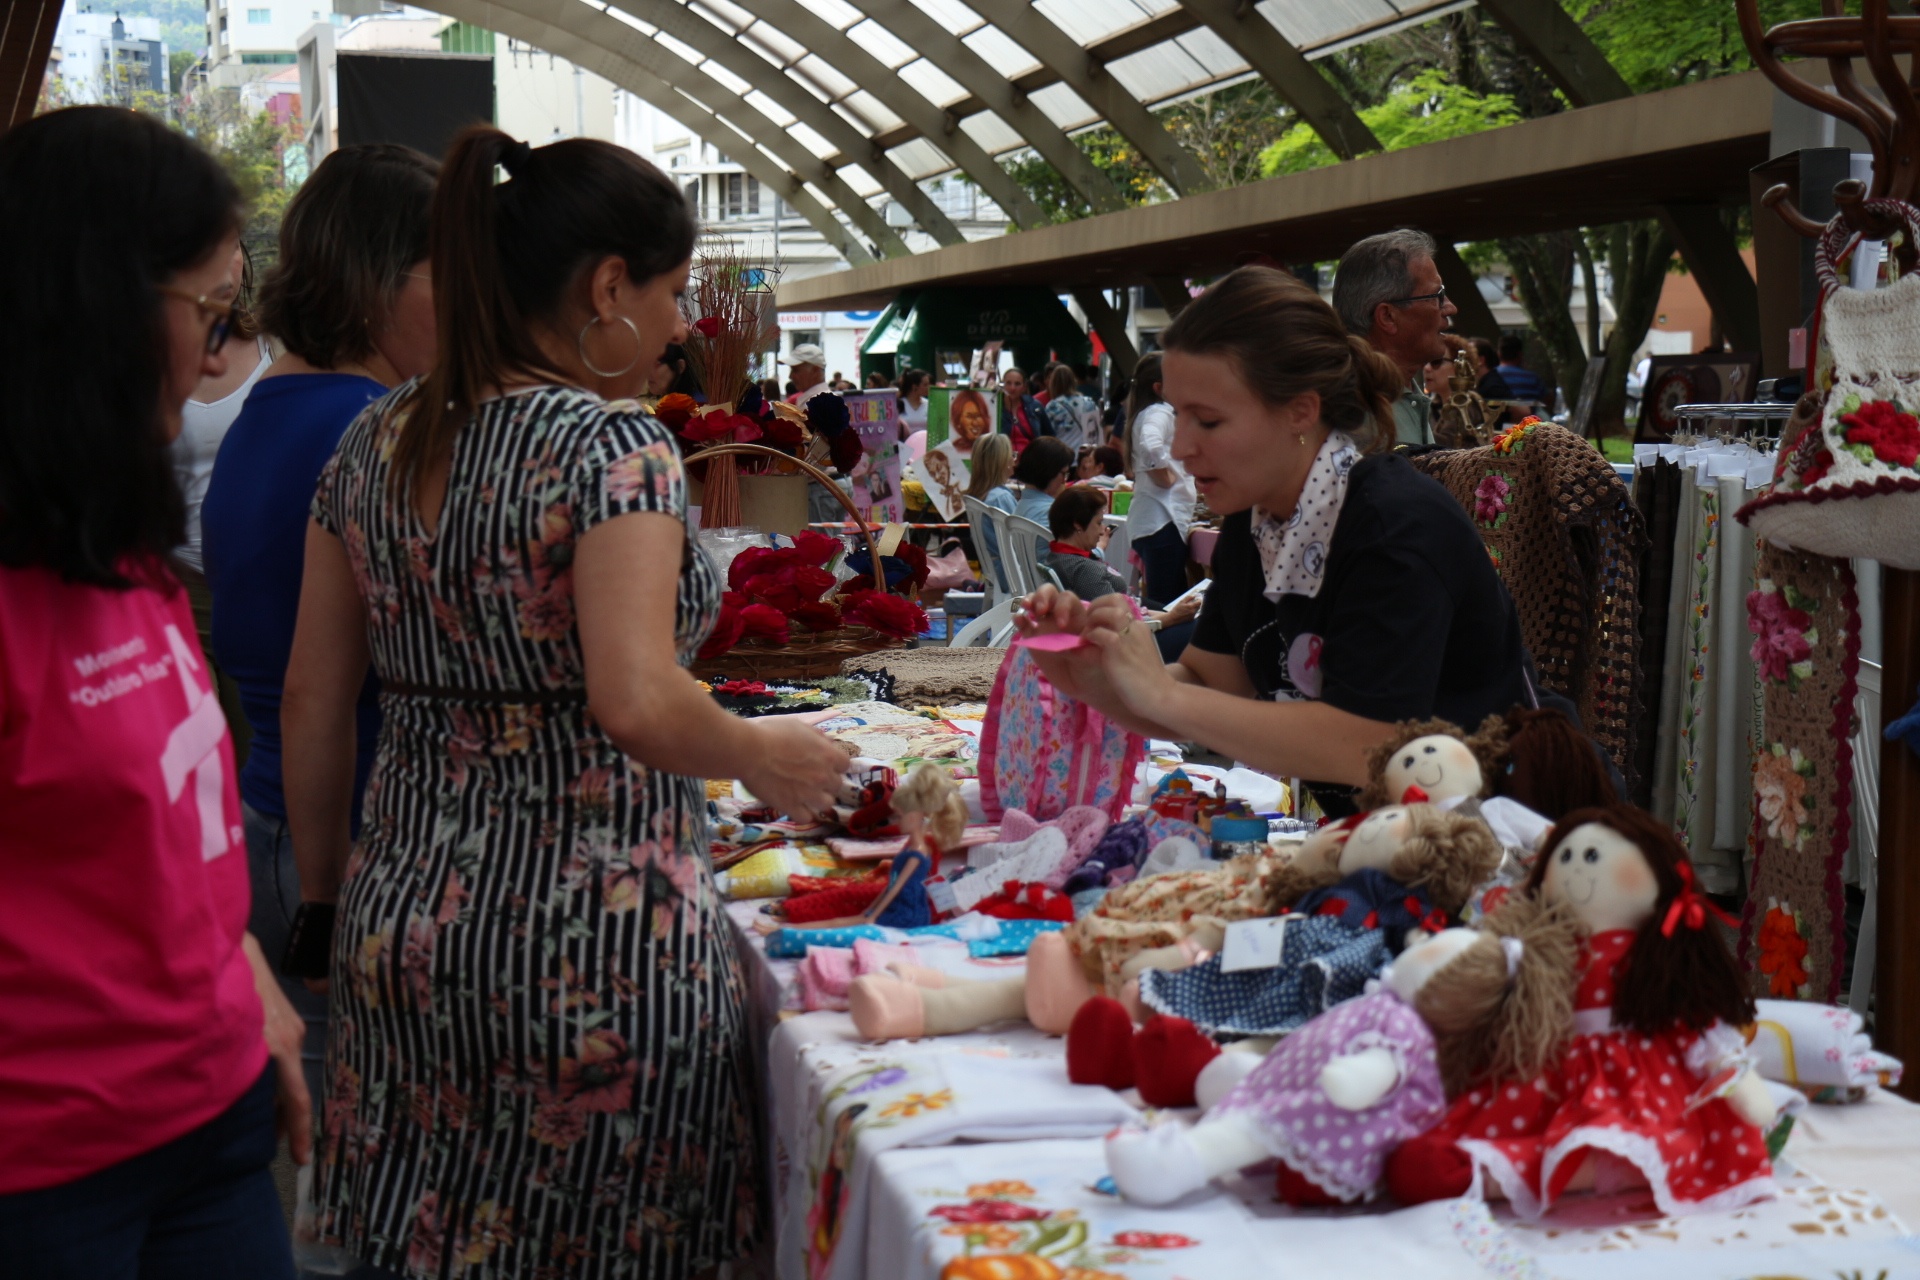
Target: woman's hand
pixel 1076 673
pixel 795 768
pixel 286 1033
pixel 1130 662
pixel 1183 609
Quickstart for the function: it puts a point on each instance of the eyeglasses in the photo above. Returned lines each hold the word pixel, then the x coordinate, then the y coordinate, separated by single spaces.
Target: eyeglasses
pixel 222 313
pixel 1438 296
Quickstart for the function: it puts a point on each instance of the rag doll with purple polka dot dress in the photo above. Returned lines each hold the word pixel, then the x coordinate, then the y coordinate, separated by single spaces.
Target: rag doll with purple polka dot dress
pixel 1333 1100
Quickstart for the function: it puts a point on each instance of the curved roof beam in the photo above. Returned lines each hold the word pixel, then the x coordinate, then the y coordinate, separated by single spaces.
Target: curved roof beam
pixel 1084 73
pixel 917 29
pixel 1287 71
pixel 690 29
pixel 616 50
pixel 939 128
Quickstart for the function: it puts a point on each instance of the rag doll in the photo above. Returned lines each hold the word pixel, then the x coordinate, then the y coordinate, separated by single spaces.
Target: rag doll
pixel 1653 1086
pixel 1333 1099
pixel 928 810
pixel 1155 913
pixel 1164 921
pixel 1402 868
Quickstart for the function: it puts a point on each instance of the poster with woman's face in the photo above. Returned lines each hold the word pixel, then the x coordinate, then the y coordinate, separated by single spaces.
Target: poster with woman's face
pixel 961 416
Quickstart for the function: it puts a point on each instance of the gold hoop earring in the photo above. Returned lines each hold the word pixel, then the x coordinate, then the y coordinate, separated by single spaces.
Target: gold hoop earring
pixel 581 344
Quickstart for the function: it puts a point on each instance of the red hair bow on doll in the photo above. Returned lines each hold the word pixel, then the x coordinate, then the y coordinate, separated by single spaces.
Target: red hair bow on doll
pixel 1691 907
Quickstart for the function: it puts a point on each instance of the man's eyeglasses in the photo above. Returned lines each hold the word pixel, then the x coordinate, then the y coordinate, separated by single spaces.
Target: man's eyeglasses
pixel 222 312
pixel 1438 296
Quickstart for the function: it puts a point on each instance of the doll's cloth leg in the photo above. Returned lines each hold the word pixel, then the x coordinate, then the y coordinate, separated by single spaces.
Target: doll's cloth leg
pixel 1056 984
pixel 1100 1045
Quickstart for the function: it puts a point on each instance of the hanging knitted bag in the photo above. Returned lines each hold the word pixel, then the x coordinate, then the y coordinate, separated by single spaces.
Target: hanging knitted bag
pixel 1043 753
pixel 1849 483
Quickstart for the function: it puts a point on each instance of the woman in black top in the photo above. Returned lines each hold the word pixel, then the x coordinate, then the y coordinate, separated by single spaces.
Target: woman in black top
pixel 1349 591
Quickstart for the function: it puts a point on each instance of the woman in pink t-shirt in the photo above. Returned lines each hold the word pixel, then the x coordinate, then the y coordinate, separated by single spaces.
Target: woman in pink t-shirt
pixel 137 1095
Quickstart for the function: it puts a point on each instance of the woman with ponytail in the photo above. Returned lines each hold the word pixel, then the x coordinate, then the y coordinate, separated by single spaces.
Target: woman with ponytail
pixel 538 1059
pixel 1349 591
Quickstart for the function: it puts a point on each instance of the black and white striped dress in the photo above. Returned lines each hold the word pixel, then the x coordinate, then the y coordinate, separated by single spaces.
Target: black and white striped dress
pixel 538 1064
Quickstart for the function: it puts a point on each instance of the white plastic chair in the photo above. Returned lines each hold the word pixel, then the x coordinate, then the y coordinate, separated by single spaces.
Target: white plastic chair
pixel 1021 541
pixel 992 572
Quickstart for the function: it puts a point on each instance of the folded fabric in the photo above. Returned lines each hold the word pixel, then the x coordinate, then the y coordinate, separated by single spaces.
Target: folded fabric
pixel 983 935
pixel 823 978
pixel 1034 859
pixel 1819 1048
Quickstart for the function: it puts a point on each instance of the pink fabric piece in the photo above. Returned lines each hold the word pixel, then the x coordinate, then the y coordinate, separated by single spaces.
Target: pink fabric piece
pixel 874 957
pixel 824 977
pixel 1051 644
pixel 1082 825
pixel 1016 825
pixel 128 1015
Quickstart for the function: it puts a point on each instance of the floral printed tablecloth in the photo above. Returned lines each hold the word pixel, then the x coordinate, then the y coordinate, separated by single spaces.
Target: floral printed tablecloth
pixel 1042 1199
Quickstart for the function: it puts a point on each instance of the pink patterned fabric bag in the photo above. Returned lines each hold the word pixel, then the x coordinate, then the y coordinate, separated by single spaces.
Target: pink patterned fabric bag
pixel 1043 753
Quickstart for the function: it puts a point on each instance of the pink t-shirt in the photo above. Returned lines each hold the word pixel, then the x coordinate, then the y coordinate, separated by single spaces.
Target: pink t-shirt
pixel 128 1015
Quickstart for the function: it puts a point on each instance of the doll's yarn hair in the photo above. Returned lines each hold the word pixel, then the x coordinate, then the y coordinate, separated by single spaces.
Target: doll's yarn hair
pixel 1450 855
pixel 1295 879
pixel 1374 794
pixel 1548 764
pixel 931 790
pixel 1688 979
pixel 1490 1024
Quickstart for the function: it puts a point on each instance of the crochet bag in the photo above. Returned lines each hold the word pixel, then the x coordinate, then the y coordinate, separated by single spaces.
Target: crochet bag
pixel 1849 485
pixel 1043 753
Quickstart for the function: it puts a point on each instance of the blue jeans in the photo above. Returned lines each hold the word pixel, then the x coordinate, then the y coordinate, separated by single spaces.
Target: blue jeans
pixel 202 1207
pixel 276 895
pixel 1163 556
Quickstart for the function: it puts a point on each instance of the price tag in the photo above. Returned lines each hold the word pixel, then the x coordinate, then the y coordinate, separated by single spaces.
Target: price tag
pixel 1254 944
pixel 940 894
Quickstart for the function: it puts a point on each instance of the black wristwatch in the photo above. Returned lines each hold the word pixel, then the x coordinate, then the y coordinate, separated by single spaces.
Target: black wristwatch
pixel 310 945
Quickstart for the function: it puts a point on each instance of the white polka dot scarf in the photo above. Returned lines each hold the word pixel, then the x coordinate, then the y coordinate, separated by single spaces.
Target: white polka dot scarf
pixel 1293 552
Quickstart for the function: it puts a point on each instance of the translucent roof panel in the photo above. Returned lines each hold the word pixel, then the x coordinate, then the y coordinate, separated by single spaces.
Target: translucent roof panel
pixel 773 44
pixel 1000 51
pixel 920 159
pixel 1063 106
pixel 823 77
pixel 950 14
pixel 881 43
pixel 1160 72
pixel 934 84
pixel 1091 20
pixel 992 133
pixel 1323 25
pixel 868 112
pixel 809 139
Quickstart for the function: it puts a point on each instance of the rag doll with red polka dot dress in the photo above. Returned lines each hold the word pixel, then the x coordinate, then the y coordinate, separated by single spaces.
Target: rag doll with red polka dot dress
pixel 1652 1087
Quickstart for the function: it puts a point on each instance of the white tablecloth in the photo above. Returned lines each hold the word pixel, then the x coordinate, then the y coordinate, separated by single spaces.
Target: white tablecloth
pixel 977 1144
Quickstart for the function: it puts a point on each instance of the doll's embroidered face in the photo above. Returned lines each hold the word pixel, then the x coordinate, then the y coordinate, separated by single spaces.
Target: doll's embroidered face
pixel 1376 840
pixel 1439 764
pixel 1603 876
pixel 1411 969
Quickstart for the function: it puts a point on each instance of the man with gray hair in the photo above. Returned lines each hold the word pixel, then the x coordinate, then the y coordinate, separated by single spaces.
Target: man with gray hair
pixel 1388 290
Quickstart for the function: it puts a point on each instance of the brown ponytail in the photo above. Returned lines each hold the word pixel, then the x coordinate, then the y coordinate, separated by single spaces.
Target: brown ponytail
pixel 1287 341
pixel 506 256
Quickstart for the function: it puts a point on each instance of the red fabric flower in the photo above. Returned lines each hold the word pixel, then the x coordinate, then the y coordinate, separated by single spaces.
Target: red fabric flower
pixel 1780 632
pixel 750 563
pixel 702 427
pixel 707 326
pixel 816 548
pixel 676 409
pixel 1782 953
pixel 858 585
pixel 727 628
pixel 741 688
pixel 784 434
pixel 889 615
pixel 916 560
pixel 764 622
pixel 788 586
pixel 1892 435
pixel 817 616
pixel 987 1211
pixel 1817 469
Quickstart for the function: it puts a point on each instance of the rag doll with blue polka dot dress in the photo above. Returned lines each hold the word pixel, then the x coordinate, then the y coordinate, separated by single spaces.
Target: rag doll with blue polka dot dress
pixel 1406 870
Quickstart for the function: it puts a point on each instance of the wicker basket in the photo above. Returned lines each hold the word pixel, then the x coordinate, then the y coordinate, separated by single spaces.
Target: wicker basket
pixel 822 655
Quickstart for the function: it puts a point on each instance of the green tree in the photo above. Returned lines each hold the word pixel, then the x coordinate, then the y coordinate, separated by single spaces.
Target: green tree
pixel 1427 108
pixel 1656 44
pixel 251 145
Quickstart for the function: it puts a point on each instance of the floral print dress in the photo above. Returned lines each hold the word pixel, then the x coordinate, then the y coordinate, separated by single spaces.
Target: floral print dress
pixel 538 1064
